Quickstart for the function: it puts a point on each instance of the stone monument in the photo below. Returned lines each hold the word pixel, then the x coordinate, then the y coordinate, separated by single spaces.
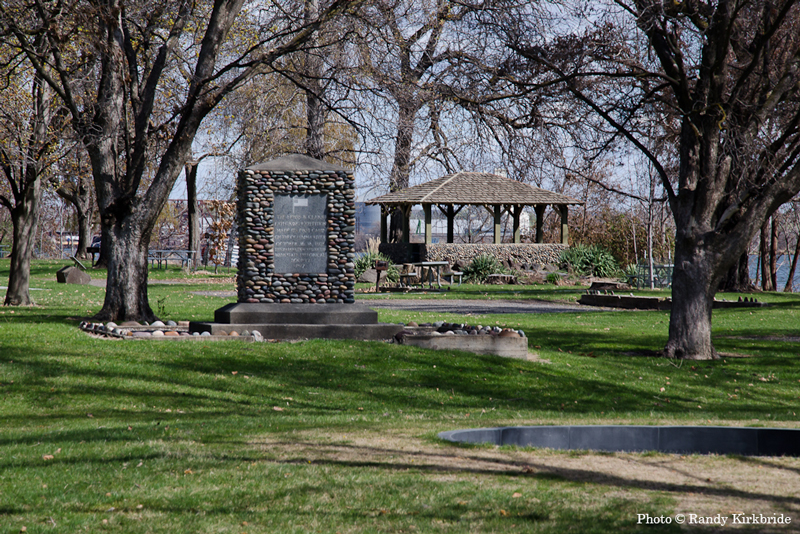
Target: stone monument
pixel 296 220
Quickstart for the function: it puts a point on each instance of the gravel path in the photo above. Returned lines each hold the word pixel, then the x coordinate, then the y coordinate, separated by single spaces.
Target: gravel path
pixel 457 305
pixel 477 306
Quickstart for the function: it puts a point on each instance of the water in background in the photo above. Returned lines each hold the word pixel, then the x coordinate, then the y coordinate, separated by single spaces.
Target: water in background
pixel 784 263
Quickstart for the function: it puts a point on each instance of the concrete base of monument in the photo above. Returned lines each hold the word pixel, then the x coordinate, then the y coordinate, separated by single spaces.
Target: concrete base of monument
pixel 268 313
pixel 299 321
pixel 366 332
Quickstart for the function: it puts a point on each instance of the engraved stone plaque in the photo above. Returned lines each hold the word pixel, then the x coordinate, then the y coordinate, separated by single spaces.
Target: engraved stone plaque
pixel 301 233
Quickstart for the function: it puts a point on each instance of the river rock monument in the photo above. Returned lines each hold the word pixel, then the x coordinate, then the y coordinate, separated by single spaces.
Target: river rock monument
pixel 296 218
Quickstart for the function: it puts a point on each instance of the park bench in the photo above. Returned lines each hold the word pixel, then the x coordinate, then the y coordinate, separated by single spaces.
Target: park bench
pixel 451 276
pixel 409 275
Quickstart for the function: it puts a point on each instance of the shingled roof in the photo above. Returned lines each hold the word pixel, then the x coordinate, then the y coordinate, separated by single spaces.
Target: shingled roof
pixel 479 188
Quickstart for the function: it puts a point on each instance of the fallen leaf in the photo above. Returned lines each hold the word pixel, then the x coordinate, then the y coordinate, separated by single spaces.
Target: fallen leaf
pixel 663 389
pixel 48 457
pixel 234 372
pixel 517 495
pixel 503 512
pixel 277 408
pixel 188 472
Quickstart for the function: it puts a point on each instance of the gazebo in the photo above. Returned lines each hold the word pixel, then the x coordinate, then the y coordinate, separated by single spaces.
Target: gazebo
pixel 496 193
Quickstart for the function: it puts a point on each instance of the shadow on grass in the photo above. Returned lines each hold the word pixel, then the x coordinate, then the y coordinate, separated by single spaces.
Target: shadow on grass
pixel 442 463
pixel 325 381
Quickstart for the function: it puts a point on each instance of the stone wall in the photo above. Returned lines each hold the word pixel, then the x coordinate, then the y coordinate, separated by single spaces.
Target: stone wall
pixel 257 280
pixel 463 253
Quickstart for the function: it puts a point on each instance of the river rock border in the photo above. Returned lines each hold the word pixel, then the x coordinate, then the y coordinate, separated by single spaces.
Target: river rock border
pixel 463 253
pixel 257 280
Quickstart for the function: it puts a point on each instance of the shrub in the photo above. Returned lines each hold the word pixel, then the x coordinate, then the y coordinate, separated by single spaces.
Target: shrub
pixel 482 266
pixel 367 261
pixel 590 260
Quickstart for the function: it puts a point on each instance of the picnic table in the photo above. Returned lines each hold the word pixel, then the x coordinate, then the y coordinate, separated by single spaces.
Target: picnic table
pixel 163 257
pixel 432 266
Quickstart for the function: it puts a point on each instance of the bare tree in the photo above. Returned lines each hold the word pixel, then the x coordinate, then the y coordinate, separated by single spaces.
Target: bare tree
pixel 403 52
pixel 72 181
pixel 726 75
pixel 29 124
pixel 138 78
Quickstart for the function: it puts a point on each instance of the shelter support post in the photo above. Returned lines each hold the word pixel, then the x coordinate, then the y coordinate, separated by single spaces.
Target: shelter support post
pixel 428 230
pixel 384 224
pixel 516 211
pixel 406 209
pixel 564 209
pixel 498 212
pixel 450 213
pixel 450 216
pixel 539 209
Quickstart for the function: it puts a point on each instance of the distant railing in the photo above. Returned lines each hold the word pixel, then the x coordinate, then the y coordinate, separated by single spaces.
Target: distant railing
pixel 4 250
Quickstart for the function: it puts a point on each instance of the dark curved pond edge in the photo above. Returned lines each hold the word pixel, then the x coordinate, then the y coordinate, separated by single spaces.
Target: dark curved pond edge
pixel 745 441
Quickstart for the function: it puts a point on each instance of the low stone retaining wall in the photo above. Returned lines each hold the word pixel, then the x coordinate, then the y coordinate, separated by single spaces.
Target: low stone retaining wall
pixel 463 253
pixel 636 438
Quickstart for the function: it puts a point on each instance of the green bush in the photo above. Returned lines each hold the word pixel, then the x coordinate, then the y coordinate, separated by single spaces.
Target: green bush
pixel 590 260
pixel 367 261
pixel 482 266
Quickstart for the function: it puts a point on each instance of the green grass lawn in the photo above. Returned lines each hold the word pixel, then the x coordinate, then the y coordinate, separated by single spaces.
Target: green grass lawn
pixel 106 435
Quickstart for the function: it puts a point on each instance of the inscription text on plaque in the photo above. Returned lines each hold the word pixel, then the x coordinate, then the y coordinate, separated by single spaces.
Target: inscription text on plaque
pixel 301 233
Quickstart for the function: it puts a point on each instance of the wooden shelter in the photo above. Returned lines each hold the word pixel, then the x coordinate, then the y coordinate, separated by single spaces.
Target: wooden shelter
pixel 496 193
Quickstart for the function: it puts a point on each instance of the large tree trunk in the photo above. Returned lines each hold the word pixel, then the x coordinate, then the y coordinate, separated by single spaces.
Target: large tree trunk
pixel 84 235
pixel 79 195
pixel 766 279
pixel 191 211
pixel 789 287
pixel 315 110
pixel 126 283
pixel 693 294
pixel 401 167
pixel 773 254
pixel 25 217
pixel 738 278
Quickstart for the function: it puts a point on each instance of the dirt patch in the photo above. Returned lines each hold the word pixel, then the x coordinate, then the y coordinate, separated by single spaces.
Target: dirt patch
pixel 179 281
pixel 700 484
